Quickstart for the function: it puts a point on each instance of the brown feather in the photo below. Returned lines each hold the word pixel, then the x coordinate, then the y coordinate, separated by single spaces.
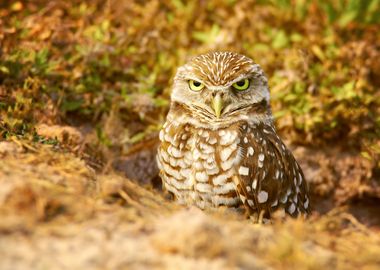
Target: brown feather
pixel 235 159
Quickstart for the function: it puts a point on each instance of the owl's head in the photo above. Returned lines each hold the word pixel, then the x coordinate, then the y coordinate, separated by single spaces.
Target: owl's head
pixel 222 87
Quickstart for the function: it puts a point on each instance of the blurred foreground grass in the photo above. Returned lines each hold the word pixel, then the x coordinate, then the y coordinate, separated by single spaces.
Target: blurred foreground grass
pixel 56 213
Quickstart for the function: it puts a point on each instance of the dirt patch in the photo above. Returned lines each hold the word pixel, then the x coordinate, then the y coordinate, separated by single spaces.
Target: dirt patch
pixel 57 213
pixel 339 178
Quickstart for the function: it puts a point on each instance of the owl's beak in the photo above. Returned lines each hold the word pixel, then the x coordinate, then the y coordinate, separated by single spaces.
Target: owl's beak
pixel 217 104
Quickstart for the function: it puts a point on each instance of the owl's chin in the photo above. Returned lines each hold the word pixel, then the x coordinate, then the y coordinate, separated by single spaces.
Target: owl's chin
pixel 200 117
pixel 213 122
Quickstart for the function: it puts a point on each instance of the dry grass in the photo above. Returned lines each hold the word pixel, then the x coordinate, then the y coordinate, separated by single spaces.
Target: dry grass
pixel 58 214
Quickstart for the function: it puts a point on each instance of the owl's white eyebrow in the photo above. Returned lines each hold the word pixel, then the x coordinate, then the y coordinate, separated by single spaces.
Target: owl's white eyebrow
pixel 241 77
pixel 190 77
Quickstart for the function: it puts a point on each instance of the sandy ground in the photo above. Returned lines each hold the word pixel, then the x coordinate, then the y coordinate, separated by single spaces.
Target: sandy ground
pixel 59 213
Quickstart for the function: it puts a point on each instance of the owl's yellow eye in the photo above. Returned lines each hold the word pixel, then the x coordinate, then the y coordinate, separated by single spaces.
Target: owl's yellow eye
pixel 195 85
pixel 241 85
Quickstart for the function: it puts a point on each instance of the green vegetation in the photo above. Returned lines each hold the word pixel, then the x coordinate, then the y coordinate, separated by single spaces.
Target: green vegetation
pixel 86 59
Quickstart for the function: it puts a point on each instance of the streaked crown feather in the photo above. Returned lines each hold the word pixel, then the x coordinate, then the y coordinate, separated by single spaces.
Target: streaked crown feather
pixel 220 68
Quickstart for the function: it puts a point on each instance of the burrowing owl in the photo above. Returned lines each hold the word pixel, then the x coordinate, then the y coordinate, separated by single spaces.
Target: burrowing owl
pixel 219 145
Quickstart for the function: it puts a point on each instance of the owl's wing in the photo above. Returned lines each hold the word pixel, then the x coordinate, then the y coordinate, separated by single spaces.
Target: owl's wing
pixel 268 176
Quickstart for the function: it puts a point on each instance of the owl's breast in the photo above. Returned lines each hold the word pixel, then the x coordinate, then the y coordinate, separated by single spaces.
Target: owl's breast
pixel 197 165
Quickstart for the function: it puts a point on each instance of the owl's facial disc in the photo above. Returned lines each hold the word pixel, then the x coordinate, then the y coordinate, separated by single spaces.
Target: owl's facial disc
pixel 221 87
pixel 219 101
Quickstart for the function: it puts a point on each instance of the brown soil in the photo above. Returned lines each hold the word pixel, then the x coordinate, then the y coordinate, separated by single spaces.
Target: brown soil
pixel 59 213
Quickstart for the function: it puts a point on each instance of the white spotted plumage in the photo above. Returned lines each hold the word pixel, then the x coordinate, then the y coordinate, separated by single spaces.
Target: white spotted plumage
pixel 235 158
pixel 243 170
pixel 262 196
